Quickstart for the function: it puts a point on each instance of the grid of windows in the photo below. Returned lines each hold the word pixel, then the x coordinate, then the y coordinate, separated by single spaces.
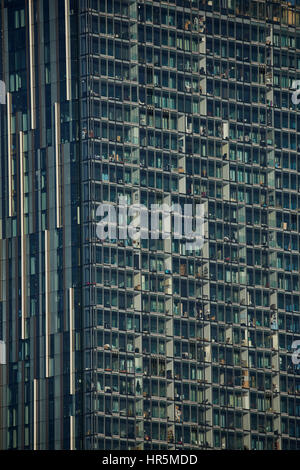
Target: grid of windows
pixel 184 105
pixel 145 344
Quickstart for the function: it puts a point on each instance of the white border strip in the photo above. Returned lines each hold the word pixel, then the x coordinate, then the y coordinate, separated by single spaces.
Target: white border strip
pixel 71 326
pixel 72 425
pixel 23 254
pixel 32 65
pixel 2 353
pixel 57 162
pixel 47 302
pixel 35 401
pixel 68 49
pixel 72 372
pixel 9 111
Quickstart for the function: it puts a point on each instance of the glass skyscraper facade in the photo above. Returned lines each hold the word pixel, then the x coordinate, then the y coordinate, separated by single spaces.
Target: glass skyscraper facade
pixel 122 344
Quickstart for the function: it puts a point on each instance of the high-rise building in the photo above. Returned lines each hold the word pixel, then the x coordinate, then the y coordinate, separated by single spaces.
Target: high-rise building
pixel 144 344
